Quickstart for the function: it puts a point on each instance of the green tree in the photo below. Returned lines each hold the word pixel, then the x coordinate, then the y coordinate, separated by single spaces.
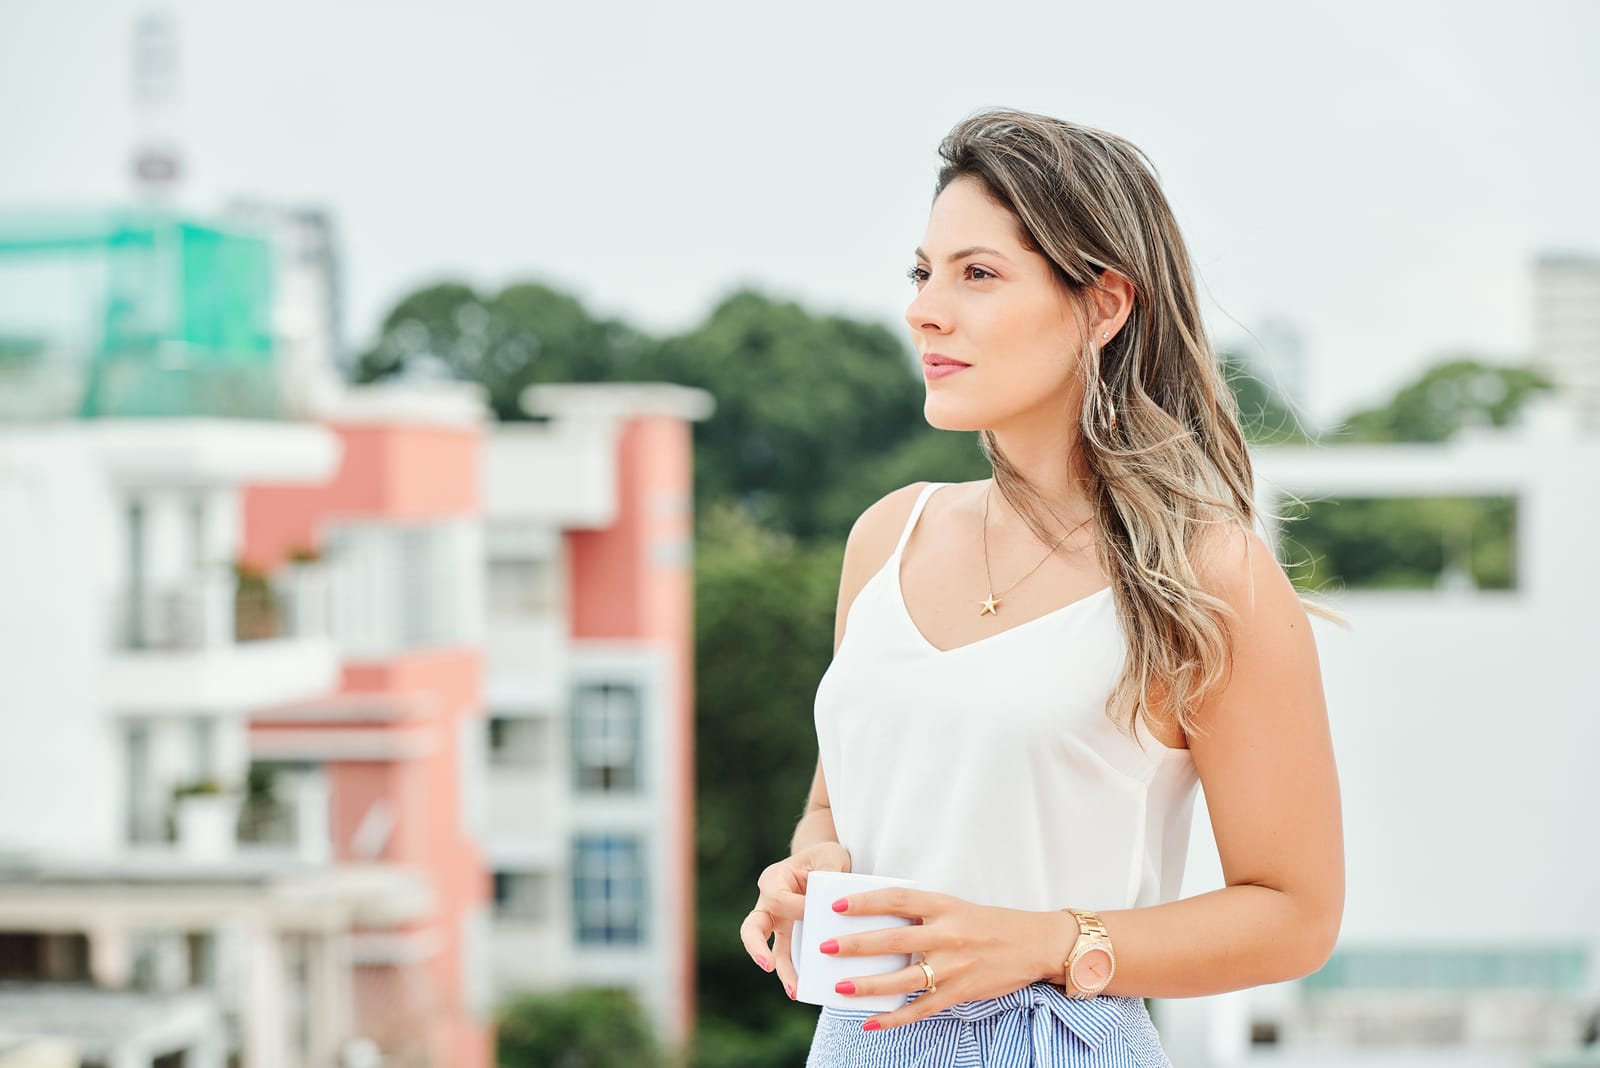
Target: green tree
pixel 1402 542
pixel 1264 415
pixel 1462 391
pixel 525 334
pixel 803 402
pixel 1408 543
pixel 781 1044
pixel 764 606
pixel 582 1028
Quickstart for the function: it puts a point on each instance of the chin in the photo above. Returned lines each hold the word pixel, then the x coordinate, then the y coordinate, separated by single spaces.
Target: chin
pixel 944 416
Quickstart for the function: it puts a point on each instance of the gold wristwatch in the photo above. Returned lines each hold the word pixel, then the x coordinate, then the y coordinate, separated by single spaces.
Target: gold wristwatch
pixel 1092 938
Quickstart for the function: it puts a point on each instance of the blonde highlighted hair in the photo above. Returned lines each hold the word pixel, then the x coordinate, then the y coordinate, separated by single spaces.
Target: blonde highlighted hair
pixel 1159 432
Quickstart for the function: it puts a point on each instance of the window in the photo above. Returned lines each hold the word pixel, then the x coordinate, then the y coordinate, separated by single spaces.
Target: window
pixel 404 587
pixel 203 744
pixel 608 890
pixel 521 588
pixel 519 741
pixel 522 895
pixel 1418 543
pixel 146 812
pixel 606 728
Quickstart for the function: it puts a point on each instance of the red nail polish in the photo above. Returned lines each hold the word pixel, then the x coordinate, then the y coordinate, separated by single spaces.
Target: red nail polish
pixel 789 990
pixel 871 1025
pixel 844 986
pixel 763 962
pixel 841 905
pixel 830 946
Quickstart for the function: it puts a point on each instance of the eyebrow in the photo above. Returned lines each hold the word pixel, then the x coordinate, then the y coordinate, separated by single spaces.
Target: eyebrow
pixel 963 253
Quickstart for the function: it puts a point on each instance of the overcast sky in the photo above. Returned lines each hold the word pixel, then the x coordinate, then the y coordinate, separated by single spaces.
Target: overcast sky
pixel 1379 175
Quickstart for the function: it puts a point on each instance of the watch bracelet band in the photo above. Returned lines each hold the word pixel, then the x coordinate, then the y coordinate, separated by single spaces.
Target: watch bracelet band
pixel 1092 934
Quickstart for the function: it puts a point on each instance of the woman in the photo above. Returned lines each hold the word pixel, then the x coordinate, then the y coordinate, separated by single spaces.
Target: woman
pixel 1029 682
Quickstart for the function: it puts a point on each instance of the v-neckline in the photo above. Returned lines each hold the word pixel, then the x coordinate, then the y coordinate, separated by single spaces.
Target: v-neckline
pixel 905 612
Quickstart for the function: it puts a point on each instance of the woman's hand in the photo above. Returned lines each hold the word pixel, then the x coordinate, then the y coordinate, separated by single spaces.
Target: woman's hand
pixel 975 951
pixel 782 901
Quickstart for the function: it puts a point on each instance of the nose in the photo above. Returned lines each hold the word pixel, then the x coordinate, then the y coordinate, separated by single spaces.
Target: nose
pixel 926 312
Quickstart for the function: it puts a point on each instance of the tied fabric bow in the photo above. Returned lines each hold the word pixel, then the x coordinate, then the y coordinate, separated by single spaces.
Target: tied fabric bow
pixel 1036 1025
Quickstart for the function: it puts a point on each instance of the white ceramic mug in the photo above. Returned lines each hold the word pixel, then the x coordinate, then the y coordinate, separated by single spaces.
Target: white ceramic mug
pixel 818 971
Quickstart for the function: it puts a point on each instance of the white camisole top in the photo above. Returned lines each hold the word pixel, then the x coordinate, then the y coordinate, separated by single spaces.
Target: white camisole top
pixel 991 771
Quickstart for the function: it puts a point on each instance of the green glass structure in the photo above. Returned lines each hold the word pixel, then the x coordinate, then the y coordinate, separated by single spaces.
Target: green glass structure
pixel 1543 968
pixel 135 314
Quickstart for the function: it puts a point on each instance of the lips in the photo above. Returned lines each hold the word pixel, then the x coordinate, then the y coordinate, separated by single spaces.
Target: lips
pixel 935 359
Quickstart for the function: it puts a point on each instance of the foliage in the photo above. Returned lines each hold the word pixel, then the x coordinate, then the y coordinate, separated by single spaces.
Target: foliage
pixel 1264 415
pixel 525 334
pixel 1402 543
pixel 261 784
pixel 581 1028
pixel 784 1044
pixel 804 402
pixel 1408 543
pixel 197 788
pixel 763 633
pixel 1460 392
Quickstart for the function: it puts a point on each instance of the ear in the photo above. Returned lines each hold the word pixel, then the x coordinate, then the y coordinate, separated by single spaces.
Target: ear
pixel 1113 303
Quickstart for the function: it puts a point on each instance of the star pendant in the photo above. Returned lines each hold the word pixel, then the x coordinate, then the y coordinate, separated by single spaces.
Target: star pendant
pixel 989 606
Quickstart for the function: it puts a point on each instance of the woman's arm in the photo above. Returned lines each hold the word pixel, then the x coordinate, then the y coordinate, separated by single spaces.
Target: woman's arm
pixel 868 546
pixel 815 846
pixel 816 823
pixel 1265 759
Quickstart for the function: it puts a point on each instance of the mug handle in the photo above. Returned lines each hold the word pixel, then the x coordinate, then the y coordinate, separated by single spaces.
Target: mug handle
pixel 795 956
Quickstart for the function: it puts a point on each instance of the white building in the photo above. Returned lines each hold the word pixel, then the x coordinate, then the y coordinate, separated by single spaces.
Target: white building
pixel 588 525
pixel 132 657
pixel 1465 724
pixel 1567 327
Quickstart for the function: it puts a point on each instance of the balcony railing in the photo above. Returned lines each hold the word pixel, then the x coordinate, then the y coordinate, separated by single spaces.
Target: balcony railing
pixel 206 612
pixel 296 823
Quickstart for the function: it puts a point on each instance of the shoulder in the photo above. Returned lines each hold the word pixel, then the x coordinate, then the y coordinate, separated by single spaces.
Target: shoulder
pixel 872 539
pixel 880 525
pixel 1271 646
pixel 1235 564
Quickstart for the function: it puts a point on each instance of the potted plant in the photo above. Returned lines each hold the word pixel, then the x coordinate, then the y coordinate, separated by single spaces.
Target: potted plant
pixel 305 584
pixel 255 604
pixel 205 818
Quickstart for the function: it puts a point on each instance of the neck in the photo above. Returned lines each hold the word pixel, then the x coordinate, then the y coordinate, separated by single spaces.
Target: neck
pixel 1044 456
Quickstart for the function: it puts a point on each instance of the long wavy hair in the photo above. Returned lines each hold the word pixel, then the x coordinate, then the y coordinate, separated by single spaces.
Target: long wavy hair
pixel 1159 433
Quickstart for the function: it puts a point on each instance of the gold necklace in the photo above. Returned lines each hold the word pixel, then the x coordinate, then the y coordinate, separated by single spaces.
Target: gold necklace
pixel 991 605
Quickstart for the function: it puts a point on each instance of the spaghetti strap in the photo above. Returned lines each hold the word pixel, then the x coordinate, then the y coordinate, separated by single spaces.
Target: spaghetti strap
pixel 916 510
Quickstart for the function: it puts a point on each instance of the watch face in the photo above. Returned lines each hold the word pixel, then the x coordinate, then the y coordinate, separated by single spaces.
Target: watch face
pixel 1092 969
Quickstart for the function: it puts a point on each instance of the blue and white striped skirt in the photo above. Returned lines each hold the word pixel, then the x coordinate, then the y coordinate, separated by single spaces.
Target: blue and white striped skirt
pixel 1037 1027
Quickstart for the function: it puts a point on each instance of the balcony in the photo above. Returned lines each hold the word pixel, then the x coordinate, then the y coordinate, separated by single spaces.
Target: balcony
pixel 224 641
pixel 529 811
pixel 527 660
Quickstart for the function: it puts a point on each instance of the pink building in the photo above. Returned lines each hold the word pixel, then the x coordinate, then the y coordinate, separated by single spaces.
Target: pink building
pixel 589 542
pixel 397 752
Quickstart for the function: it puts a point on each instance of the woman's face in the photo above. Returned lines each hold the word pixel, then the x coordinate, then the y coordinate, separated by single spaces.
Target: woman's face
pixel 986 301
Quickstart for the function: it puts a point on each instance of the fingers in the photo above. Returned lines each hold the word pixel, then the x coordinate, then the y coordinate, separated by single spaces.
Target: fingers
pixel 894 901
pixel 786 906
pixel 780 958
pixel 754 932
pixel 913 1010
pixel 912 981
pixel 907 980
pixel 911 939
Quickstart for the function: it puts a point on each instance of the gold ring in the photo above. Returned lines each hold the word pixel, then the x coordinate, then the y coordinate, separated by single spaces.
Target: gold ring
pixel 927 969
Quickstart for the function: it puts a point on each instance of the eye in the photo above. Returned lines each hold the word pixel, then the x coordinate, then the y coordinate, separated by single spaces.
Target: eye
pixel 918 275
